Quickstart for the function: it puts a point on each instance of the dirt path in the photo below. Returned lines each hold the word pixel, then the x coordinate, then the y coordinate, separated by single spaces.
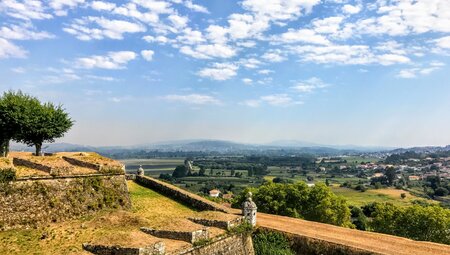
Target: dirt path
pixel 377 243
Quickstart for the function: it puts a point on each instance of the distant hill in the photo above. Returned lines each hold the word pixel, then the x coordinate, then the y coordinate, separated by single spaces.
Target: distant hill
pixel 228 147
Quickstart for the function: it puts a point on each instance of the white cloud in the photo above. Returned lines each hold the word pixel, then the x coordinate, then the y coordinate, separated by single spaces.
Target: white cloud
pixel 336 54
pixel 420 71
pixel 303 36
pixel 113 60
pixel 191 37
pixel 60 6
pixel 155 6
pixel 113 29
pixel 195 99
pixel 330 25
pixel 309 85
pixel 159 39
pixel 195 7
pixel 10 50
pixel 273 100
pixel 351 9
pixel 265 71
pixel 443 42
pixel 407 17
pixel 250 63
pixel 131 10
pixel 217 34
pixel 26 9
pixel 178 21
pixel 273 56
pixel 247 81
pixel 208 51
pixel 347 54
pixel 252 103
pixel 390 59
pixel 279 9
pixel 242 26
pixel 23 32
pixel 219 71
pixel 147 54
pixel 277 99
pixel 103 6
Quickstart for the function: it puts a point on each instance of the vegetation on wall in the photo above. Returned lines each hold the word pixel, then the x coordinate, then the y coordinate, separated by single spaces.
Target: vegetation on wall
pixel 271 243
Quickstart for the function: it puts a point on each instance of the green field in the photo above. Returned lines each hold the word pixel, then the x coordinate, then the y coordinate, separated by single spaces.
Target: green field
pixel 391 195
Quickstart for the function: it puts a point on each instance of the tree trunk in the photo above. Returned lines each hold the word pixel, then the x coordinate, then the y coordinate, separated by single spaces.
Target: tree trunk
pixel 38 149
pixel 4 148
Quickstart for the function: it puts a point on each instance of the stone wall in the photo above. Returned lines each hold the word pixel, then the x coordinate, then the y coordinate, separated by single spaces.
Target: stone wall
pixel 180 195
pixel 187 236
pixel 223 224
pixel 229 245
pixel 313 246
pixel 29 203
pixel 155 249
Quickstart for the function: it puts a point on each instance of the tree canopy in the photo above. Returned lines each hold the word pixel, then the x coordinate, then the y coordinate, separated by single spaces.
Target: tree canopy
pixel 317 203
pixel 24 118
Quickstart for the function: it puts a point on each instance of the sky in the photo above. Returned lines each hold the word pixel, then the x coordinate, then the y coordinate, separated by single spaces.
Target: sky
pixel 141 71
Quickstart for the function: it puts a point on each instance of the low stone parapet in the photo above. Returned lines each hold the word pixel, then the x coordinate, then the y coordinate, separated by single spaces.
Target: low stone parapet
pixel 223 224
pixel 154 249
pixel 187 236
pixel 178 194
pixel 30 164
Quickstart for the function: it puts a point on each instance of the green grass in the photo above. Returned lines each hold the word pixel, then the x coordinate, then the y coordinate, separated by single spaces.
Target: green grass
pixel 358 198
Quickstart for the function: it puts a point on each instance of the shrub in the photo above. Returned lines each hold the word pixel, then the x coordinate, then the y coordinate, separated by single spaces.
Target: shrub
pixel 242 229
pixel 441 191
pixel 271 243
pixel 7 175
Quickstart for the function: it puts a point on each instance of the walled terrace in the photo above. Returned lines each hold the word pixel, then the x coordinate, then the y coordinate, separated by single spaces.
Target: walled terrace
pixel 118 230
pixel 80 203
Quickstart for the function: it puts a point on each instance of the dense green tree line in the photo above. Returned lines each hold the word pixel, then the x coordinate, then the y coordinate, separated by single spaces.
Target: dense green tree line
pixel 25 119
pixel 424 223
pixel 319 203
pixel 297 200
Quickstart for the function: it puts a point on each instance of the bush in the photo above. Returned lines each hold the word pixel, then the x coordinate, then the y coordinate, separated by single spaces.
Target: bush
pixel 361 188
pixel 271 243
pixel 441 191
pixel 7 175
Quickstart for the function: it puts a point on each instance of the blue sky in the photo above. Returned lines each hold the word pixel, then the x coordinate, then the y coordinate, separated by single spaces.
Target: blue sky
pixel 141 71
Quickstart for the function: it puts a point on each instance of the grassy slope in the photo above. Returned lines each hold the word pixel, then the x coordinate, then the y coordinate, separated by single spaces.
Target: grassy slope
pixel 108 227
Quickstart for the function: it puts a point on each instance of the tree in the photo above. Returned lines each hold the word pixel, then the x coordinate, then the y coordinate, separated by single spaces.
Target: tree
pixel 297 200
pixel 179 172
pixel 429 223
pixel 390 175
pixel 202 171
pixel 45 123
pixel 403 195
pixel 327 182
pixel 441 191
pixel 15 111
